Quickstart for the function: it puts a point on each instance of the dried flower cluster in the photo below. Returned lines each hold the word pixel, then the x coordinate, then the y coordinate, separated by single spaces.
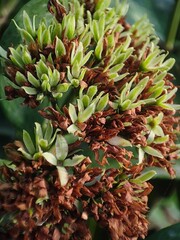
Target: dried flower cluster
pixel 110 115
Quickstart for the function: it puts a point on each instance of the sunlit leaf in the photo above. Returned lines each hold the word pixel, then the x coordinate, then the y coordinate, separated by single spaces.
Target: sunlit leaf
pixel 74 161
pixel 50 158
pixel 144 177
pixel 63 175
pixel 61 147
pixel 28 142
pixel 153 152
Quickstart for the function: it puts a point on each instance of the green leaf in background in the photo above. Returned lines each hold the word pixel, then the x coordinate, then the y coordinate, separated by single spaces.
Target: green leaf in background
pixel 33 7
pixel 165 211
pixel 21 117
pixel 169 233
pixel 159 13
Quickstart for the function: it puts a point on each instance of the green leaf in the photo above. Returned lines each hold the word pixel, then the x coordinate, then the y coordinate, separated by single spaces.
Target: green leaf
pixel 169 233
pixel 50 158
pixel 33 80
pixel 70 27
pixel 102 4
pixel 72 128
pixel 153 152
pixel 40 201
pixel 140 155
pixel 86 58
pixel 99 49
pixel 91 92
pixel 87 113
pixel 28 24
pixel 75 70
pixel 86 101
pixel 160 140
pixel 48 131
pixel 72 113
pixel 126 105
pixel 137 90
pixel 158 131
pixel 61 147
pixel 16 57
pixel 25 35
pixel 119 141
pixel 116 68
pixel 43 144
pixel 102 102
pixel 144 177
pixel 95 30
pixel 20 78
pixel 60 49
pixel 33 7
pixel 26 155
pixel 3 53
pixel 158 13
pixel 7 163
pixel 30 90
pixel 74 161
pixel 28 142
pixel 63 175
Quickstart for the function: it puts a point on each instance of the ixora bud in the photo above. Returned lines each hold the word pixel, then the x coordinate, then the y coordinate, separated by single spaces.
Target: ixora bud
pixel 108 115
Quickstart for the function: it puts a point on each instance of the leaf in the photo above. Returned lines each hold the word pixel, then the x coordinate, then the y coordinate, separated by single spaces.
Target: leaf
pixel 70 27
pixel 50 158
pixel 160 140
pixel 92 90
pixel 35 82
pixel 137 90
pixel 28 24
pixel 87 113
pixel 9 164
pixel 60 49
pixel 158 131
pixel 48 131
pixel 72 113
pixel 140 156
pixel 126 105
pixel 169 233
pixel 30 90
pixel 74 161
pixel 144 177
pixel 33 7
pixel 63 175
pixel 158 13
pixel 28 142
pixel 102 4
pixel 61 147
pixel 20 78
pixel 153 152
pixel 3 53
pixel 102 102
pixel 119 141
pixel 99 49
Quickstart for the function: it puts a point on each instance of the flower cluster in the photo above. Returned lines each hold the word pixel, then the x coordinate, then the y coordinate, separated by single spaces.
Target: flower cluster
pixel 109 115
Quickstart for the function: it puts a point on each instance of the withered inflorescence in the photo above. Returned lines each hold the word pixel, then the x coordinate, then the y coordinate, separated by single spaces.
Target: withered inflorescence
pixel 109 115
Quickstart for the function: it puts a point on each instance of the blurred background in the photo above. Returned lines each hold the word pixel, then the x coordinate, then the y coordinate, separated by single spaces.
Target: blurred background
pixel 164 202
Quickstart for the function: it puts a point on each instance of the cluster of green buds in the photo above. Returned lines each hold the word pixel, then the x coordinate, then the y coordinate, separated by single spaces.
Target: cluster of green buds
pixel 53 147
pixel 87 105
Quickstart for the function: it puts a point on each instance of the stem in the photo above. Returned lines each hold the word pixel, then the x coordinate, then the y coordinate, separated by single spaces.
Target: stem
pixel 174 27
